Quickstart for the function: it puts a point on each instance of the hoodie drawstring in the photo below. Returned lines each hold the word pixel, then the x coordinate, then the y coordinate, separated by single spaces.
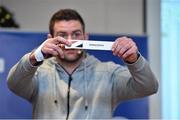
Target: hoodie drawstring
pixel 86 107
pixel 86 88
pixel 55 87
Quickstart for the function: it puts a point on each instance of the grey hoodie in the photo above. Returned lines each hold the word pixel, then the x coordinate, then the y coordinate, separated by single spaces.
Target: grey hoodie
pixel 92 91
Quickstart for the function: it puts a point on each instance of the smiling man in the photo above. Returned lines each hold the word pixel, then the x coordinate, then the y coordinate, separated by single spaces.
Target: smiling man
pixel 71 84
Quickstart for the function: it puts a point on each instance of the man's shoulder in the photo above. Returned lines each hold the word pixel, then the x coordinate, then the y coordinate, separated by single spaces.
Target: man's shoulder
pixel 47 64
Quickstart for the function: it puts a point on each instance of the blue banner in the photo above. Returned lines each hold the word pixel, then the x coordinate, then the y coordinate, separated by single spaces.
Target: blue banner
pixel 13 45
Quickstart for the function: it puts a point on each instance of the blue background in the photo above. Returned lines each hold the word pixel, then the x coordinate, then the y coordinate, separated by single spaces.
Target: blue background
pixel 13 45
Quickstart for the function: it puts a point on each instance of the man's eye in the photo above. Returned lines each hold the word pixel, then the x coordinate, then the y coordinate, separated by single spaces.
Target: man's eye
pixel 77 34
pixel 63 35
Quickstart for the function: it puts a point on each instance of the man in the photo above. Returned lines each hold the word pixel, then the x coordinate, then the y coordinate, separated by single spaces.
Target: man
pixel 71 84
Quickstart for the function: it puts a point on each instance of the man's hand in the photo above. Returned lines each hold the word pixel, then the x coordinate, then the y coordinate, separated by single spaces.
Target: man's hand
pixel 126 49
pixel 51 47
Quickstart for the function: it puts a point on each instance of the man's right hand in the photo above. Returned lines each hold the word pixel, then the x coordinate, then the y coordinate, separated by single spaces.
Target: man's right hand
pixel 51 47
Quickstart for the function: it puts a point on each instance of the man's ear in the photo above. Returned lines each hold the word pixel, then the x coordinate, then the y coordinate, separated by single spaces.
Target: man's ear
pixel 49 35
pixel 86 36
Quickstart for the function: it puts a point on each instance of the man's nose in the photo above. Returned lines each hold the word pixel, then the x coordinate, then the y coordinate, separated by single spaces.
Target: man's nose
pixel 69 37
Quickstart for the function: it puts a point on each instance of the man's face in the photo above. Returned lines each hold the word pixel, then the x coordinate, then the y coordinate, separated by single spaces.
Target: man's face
pixel 70 30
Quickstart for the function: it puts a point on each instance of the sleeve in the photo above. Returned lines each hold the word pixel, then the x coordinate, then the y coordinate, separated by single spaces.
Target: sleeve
pixel 135 81
pixel 21 79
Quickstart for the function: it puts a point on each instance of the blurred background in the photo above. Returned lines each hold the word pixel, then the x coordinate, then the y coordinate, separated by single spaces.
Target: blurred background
pixel 158 20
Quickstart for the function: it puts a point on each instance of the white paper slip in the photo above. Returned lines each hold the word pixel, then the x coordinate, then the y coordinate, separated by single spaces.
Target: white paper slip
pixel 91 45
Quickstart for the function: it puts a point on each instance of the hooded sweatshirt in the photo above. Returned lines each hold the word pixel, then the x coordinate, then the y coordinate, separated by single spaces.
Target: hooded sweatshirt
pixel 92 91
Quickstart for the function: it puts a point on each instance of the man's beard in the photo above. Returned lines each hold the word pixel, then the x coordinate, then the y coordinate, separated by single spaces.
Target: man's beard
pixel 79 56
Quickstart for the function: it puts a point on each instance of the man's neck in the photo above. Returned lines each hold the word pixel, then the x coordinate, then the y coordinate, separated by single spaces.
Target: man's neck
pixel 70 67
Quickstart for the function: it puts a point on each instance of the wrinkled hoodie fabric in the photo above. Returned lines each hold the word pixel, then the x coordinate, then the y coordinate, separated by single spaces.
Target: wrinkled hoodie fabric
pixel 92 91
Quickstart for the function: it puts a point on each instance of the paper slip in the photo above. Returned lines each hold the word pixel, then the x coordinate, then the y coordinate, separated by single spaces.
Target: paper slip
pixel 91 45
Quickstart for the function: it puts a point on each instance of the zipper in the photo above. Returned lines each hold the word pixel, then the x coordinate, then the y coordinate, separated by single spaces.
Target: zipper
pixel 68 90
pixel 68 96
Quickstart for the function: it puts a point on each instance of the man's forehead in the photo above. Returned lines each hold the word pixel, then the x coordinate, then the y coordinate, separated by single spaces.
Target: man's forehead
pixel 67 23
pixel 71 25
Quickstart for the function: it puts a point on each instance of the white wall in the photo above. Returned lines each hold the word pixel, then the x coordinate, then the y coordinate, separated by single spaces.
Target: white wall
pixel 101 16
pixel 154 38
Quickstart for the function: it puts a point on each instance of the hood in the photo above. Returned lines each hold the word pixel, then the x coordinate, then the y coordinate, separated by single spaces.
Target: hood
pixel 87 62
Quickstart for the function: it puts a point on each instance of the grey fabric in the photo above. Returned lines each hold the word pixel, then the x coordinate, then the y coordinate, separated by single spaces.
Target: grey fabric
pixel 100 86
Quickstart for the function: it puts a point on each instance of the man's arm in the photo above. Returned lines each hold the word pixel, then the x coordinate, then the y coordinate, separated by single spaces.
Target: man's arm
pixel 137 81
pixel 21 78
pixel 142 79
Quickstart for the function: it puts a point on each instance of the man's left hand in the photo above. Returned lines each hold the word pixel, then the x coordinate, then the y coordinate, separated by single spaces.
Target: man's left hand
pixel 126 49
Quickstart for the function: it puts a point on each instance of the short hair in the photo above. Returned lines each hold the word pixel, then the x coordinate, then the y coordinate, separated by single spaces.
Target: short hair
pixel 65 14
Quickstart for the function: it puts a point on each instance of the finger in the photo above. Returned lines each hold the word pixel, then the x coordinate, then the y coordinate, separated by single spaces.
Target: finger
pixel 126 46
pixel 50 51
pixel 130 52
pixel 64 41
pixel 122 44
pixel 57 49
pixel 60 40
pixel 116 46
pixel 117 49
pixel 118 41
pixel 47 48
